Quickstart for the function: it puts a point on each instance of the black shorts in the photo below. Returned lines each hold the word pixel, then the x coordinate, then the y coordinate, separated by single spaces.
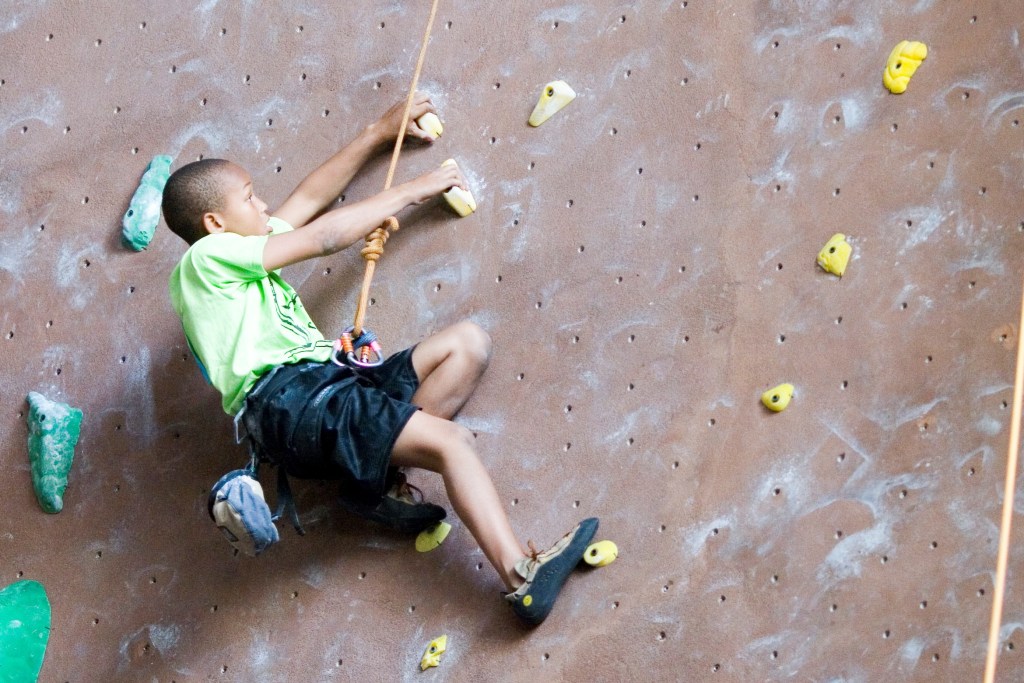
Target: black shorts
pixel 322 421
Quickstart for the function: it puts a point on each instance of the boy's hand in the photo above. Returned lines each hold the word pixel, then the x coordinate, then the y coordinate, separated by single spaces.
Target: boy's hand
pixel 388 125
pixel 434 183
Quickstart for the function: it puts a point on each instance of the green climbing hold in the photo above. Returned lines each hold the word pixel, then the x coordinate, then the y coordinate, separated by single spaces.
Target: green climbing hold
pixel 143 214
pixel 24 631
pixel 53 430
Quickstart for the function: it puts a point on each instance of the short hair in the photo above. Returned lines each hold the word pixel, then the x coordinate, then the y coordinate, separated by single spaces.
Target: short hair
pixel 190 192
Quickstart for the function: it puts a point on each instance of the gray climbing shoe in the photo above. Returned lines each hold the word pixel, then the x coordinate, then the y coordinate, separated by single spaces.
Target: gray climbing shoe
pixel 544 573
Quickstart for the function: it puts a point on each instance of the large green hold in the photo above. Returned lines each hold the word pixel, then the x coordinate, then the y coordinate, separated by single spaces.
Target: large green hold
pixel 143 214
pixel 53 430
pixel 24 631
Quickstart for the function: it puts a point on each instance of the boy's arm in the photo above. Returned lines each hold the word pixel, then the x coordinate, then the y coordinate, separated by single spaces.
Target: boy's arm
pixel 322 186
pixel 340 228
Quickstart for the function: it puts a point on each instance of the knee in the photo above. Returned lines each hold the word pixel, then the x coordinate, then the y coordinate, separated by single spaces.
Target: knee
pixel 474 342
pixel 454 445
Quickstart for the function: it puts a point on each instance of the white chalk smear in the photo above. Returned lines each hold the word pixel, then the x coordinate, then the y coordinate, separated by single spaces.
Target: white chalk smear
pixel 634 61
pixel 911 651
pixel 567 13
pixel 847 556
pixel 14 257
pixel 986 455
pixel 1007 629
pixel 218 137
pixel 777 171
pixel 940 101
pixel 493 424
pixel 164 638
pixel 261 655
pixel 925 220
pixel 696 536
pixel 994 389
pixel 972 522
pixel 794 643
pixel 139 394
pixel 855 111
pixel 989 425
pixel 42 105
pixel 313 575
pixel 16 17
pixel 896 413
pixel 723 401
pixel 718 103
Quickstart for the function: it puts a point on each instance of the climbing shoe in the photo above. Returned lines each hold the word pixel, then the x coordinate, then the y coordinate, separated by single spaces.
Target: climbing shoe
pixel 402 508
pixel 544 573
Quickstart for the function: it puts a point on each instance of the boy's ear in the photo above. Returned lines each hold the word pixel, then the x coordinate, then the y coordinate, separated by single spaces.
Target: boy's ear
pixel 212 223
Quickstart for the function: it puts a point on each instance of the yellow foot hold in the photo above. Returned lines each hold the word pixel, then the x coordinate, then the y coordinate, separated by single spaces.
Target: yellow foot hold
pixel 460 200
pixel 430 124
pixel 777 398
pixel 432 655
pixel 428 539
pixel 903 62
pixel 556 95
pixel 601 553
pixel 835 255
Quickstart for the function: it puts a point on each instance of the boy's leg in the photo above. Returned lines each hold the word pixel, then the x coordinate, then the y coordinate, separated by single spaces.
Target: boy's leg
pixel 435 444
pixel 449 365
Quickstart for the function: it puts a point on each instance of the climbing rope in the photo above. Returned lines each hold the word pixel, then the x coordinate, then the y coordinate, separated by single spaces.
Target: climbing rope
pixel 357 345
pixel 1008 497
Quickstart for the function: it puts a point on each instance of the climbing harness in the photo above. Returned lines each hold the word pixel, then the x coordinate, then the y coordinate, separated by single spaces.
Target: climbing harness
pixel 345 349
pixel 358 346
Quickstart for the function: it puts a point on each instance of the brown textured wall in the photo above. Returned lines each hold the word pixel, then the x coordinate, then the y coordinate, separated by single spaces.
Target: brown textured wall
pixel 645 264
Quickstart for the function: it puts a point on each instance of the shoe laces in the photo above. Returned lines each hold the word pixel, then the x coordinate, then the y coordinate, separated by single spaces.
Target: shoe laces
pixel 527 565
pixel 534 553
pixel 404 491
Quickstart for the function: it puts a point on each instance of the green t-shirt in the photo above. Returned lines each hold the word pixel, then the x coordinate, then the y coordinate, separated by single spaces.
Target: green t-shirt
pixel 240 320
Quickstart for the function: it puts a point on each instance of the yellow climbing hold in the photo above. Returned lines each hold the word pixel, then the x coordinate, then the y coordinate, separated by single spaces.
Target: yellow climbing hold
pixel 777 398
pixel 903 62
pixel 430 124
pixel 460 200
pixel 432 655
pixel 430 538
pixel 601 553
pixel 556 95
pixel 527 600
pixel 835 255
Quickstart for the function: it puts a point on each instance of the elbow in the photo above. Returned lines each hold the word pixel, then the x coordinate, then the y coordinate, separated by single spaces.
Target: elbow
pixel 333 233
pixel 326 239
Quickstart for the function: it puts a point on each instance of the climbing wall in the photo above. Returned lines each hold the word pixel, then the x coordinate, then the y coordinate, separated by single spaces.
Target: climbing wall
pixel 645 262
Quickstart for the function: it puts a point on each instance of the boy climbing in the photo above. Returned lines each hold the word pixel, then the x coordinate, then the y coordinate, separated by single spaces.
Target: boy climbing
pixel 315 419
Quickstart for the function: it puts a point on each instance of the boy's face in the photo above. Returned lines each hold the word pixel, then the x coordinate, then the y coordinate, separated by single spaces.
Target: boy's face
pixel 242 212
